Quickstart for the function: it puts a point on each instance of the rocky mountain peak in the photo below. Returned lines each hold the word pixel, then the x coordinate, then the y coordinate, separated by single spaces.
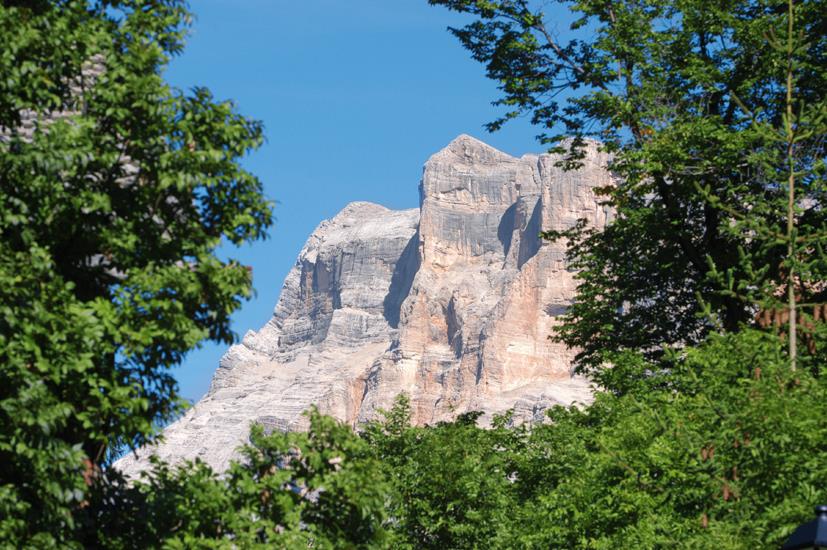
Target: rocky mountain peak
pixel 450 303
pixel 465 148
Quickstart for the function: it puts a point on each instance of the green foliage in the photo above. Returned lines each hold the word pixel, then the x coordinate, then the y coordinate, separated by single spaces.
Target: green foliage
pixel 725 448
pixel 320 489
pixel 692 99
pixel 451 481
pixel 46 337
pixel 716 446
pixel 115 191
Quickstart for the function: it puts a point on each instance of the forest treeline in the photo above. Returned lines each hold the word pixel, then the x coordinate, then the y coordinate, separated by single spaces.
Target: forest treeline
pixel 699 315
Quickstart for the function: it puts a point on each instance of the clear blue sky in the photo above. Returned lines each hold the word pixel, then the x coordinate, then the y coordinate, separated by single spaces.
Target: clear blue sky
pixel 355 95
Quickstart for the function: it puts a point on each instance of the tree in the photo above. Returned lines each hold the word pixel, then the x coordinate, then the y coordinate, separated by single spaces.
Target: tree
pixel 723 449
pixel 321 489
pixel 713 110
pixel 115 192
pixel 451 485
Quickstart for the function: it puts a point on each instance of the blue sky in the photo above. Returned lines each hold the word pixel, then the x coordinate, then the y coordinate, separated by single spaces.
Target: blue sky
pixel 355 95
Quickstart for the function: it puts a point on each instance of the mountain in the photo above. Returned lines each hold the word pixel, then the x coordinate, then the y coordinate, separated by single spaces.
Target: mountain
pixel 450 303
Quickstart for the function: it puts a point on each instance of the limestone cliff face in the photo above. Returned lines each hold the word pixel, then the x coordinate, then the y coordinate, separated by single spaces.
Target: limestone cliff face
pixel 451 303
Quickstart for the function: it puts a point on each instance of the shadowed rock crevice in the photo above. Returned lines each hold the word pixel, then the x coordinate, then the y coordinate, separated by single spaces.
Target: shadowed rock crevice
pixel 531 241
pixel 505 231
pixel 401 281
pixel 453 322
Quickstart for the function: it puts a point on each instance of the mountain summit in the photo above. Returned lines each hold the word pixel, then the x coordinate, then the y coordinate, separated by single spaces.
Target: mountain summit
pixel 450 303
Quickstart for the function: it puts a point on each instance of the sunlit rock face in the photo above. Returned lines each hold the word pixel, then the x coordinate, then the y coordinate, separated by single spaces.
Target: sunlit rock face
pixel 450 303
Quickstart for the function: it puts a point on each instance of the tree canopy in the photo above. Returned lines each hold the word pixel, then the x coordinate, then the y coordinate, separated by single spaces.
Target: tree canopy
pixel 716 114
pixel 115 192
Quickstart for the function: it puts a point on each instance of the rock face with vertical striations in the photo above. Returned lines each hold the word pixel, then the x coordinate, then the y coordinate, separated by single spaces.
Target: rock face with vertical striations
pixel 450 303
